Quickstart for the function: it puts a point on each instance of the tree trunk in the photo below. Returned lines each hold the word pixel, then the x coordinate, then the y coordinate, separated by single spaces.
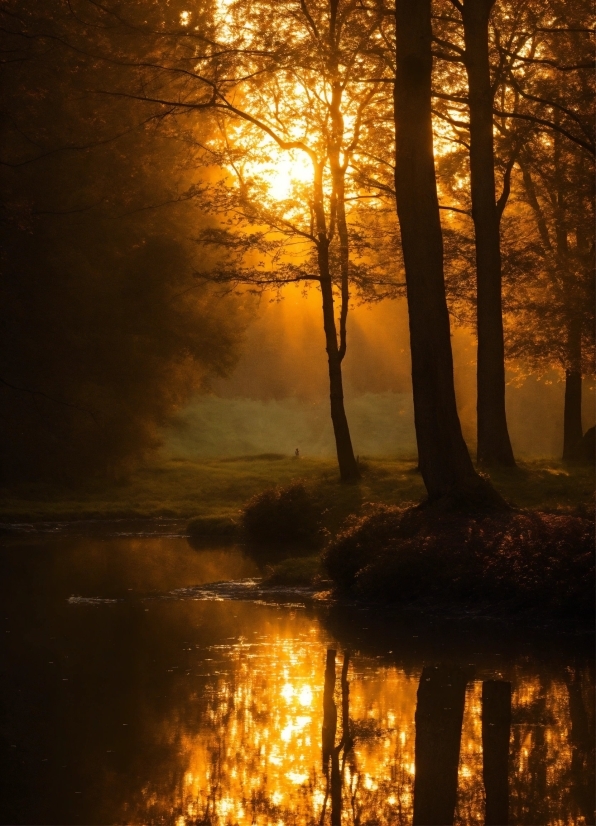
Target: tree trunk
pixel 494 445
pixel 572 416
pixel 581 740
pixel 348 466
pixel 445 463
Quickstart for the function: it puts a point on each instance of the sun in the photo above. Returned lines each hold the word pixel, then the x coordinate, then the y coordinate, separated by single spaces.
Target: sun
pixel 282 172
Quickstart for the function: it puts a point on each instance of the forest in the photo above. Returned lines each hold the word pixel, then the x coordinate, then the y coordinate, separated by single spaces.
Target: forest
pixel 306 286
pixel 167 170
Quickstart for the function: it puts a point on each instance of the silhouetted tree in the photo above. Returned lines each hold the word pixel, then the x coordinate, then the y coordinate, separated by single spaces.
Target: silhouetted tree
pixel 444 460
pixel 105 333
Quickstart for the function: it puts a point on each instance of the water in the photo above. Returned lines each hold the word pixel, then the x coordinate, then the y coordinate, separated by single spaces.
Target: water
pixel 130 702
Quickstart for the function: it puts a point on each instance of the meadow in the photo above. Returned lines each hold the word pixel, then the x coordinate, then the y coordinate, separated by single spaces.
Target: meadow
pixel 215 490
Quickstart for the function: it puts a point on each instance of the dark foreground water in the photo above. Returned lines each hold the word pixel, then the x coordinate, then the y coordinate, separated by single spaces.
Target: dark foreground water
pixel 125 703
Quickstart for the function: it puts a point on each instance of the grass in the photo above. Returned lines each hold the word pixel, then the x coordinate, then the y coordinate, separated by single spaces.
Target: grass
pixel 294 571
pixel 215 490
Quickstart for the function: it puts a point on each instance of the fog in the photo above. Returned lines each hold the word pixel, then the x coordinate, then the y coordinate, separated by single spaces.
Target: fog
pixel 276 399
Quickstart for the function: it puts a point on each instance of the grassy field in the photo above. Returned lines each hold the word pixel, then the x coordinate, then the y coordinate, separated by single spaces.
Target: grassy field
pixel 216 489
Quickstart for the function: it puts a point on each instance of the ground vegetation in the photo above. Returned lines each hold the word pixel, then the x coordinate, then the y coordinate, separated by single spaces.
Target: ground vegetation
pixel 215 491
pixel 518 561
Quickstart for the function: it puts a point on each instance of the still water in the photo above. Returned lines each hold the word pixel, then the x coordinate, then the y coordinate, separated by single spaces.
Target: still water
pixel 128 701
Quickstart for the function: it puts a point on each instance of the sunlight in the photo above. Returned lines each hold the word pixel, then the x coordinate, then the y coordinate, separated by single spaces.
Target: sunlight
pixel 281 174
pixel 287 692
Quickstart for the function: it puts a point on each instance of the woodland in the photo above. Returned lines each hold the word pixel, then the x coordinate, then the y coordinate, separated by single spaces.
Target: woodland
pixel 165 165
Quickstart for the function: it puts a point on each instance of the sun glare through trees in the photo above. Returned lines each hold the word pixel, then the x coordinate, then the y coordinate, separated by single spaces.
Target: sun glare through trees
pixel 297 402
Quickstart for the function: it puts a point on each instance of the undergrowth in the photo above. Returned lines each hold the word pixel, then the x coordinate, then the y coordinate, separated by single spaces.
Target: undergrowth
pixel 517 559
pixel 282 514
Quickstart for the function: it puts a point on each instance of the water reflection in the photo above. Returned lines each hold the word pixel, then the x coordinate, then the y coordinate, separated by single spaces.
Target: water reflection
pixel 496 732
pixel 149 711
pixel 439 716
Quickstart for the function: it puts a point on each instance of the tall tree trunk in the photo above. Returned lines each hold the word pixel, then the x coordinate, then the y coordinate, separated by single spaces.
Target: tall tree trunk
pixel 444 460
pixel 348 466
pixel 494 445
pixel 572 415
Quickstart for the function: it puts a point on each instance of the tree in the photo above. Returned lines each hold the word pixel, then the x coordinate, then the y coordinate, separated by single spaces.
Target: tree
pixel 528 76
pixel 444 460
pixel 290 85
pixel 104 331
pixel 474 53
pixel 494 445
pixel 552 76
pixel 554 308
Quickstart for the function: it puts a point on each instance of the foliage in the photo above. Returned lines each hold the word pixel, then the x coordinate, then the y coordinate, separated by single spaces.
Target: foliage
pixel 104 331
pixel 110 109
pixel 519 560
pixel 282 514
pixel 99 354
pixel 542 75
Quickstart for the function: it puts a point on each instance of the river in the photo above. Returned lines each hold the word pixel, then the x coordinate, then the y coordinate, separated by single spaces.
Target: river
pixel 129 697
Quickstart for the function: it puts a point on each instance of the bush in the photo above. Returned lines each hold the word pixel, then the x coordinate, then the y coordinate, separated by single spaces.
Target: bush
pixel 525 559
pixel 285 515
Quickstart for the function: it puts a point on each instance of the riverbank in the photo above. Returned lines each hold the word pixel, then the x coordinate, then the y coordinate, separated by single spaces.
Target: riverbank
pixel 215 490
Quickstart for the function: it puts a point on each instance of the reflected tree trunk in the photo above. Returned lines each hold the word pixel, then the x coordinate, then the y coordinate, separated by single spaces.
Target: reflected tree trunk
pixel 439 717
pixel 496 728
pixel 329 709
pixel 582 746
pixel 333 766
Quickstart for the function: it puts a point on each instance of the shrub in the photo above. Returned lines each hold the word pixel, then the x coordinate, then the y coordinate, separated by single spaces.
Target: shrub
pixel 283 515
pixel 525 559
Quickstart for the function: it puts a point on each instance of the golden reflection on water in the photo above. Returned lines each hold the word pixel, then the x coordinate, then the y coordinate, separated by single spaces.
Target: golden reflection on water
pixel 255 758
pixel 470 797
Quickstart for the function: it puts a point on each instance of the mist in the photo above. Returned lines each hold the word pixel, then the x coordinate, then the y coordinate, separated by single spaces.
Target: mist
pixel 276 398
